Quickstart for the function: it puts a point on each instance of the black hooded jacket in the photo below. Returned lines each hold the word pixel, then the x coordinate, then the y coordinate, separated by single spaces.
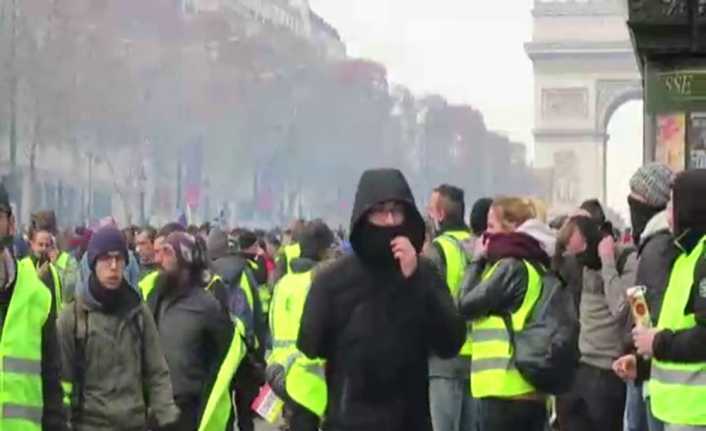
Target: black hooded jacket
pixel 688 345
pixel 376 329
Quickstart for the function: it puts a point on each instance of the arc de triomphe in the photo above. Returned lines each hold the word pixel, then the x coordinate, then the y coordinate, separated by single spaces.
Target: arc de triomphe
pixel 584 68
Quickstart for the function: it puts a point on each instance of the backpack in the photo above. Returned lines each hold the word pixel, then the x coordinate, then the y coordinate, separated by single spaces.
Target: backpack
pixel 546 350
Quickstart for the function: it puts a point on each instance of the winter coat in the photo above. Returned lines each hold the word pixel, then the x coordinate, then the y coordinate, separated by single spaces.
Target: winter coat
pixel 604 312
pixel 125 374
pixel 195 332
pixel 657 254
pixel 376 329
pixel 53 417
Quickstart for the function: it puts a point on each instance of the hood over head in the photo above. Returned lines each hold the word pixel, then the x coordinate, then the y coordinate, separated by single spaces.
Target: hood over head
pixel 542 233
pixel 382 185
pixel 689 203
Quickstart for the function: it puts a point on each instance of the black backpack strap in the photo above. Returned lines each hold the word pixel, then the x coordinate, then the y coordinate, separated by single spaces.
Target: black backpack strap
pixel 80 340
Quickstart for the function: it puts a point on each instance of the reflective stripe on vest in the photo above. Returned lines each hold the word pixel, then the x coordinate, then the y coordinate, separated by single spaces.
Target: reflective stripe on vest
pixel 493 373
pixel 292 251
pixel 286 313
pixel 219 405
pixel 678 390
pixel 148 283
pixel 456 263
pixel 56 295
pixel 21 396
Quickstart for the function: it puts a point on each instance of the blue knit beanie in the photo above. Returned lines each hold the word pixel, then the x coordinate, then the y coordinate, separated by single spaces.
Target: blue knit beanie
pixel 108 239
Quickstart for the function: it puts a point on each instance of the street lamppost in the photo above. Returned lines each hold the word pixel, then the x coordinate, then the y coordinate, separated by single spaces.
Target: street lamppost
pixel 141 184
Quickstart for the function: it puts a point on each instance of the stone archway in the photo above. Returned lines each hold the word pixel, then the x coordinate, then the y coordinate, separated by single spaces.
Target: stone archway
pixel 584 69
pixel 612 94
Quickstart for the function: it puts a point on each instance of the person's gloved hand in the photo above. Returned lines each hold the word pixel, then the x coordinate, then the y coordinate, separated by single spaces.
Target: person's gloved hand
pixel 276 378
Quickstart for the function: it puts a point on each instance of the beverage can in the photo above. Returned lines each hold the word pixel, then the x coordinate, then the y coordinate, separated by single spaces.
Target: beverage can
pixel 638 306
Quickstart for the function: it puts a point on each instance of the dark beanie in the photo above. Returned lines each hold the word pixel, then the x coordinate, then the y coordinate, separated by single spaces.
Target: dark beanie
pixel 689 190
pixel 106 240
pixel 315 238
pixel 246 239
pixel 479 215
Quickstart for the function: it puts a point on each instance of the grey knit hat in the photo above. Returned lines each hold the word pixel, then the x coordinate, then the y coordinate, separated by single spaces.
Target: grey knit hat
pixel 653 183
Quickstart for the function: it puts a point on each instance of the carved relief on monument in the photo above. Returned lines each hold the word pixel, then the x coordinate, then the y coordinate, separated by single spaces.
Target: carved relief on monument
pixel 565 103
pixel 566 177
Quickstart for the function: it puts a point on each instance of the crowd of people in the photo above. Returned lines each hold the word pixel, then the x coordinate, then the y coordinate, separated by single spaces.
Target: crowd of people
pixel 415 320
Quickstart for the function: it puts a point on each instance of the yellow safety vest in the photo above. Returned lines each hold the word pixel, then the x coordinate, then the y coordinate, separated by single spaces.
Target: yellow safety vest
pixel 291 252
pixel 305 381
pixel 148 283
pixel 21 397
pixel 678 390
pixel 456 263
pixel 62 261
pixel 493 372
pixel 219 406
pixel 27 261
pixel 263 291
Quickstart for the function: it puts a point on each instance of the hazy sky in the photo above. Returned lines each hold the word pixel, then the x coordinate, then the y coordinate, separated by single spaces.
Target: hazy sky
pixel 471 52
pixel 466 51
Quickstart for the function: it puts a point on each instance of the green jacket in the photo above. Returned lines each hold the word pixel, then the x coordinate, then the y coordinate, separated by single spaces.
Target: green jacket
pixel 126 376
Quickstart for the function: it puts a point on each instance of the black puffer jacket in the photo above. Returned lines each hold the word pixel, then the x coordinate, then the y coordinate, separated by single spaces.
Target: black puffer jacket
pixel 195 332
pixel 377 329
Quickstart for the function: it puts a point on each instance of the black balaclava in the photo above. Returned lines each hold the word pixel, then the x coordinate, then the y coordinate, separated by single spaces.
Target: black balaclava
pixel 592 233
pixel 375 248
pixel 689 192
pixel 640 214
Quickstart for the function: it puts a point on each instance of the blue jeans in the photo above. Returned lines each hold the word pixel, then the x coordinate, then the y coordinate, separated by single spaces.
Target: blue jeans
pixel 635 409
pixel 452 407
pixel 654 423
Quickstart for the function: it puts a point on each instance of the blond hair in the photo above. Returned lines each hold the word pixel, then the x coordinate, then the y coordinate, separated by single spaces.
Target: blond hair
pixel 540 209
pixel 513 211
